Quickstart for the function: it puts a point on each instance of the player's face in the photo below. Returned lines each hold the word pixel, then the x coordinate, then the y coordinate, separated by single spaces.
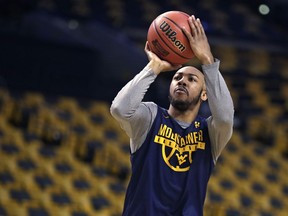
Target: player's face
pixel 187 88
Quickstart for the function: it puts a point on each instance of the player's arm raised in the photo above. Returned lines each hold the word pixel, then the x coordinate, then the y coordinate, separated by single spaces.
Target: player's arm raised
pixel 220 124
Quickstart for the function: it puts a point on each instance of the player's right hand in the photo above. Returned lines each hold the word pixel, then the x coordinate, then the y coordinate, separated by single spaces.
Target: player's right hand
pixel 156 64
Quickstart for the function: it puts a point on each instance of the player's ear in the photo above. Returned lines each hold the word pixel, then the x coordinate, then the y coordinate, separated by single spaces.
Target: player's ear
pixel 204 95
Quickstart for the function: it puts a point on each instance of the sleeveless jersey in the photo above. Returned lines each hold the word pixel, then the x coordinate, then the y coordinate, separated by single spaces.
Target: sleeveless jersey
pixel 170 171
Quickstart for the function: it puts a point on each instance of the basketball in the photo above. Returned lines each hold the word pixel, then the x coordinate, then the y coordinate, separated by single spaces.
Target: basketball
pixel 167 40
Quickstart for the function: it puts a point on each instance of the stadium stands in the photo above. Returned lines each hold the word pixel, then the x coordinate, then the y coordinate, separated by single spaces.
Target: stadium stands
pixel 51 164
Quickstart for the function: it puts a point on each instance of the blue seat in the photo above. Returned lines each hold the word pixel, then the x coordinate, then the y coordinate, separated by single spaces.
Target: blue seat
pixel 246 161
pixel 37 211
pixel 117 187
pixel 79 129
pixel 64 167
pixel 97 118
pixel 277 203
pixel 242 173
pixel 6 177
pixel 26 164
pixel 227 184
pixel 111 134
pixel 246 201
pixel 285 190
pixel 99 172
pixel 258 188
pixel 272 177
pixel 64 115
pixel 232 212
pixel 3 210
pixel 99 202
pixel 215 197
pixel 61 198
pixel 20 195
pixel 81 184
pixel 92 146
pixel 47 151
pixel 43 181
pixel 10 148
pixel 79 213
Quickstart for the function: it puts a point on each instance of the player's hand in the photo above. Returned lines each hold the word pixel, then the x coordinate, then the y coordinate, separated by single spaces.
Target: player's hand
pixel 156 64
pixel 198 40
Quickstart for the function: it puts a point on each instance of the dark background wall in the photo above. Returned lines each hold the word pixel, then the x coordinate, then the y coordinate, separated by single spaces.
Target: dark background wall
pixel 69 48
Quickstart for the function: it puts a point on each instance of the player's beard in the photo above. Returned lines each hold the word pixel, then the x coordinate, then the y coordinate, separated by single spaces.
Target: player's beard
pixel 184 105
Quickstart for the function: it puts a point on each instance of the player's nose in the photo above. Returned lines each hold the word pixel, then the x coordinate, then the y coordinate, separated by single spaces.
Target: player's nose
pixel 182 81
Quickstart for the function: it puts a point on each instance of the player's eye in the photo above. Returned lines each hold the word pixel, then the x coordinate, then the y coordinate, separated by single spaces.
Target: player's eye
pixel 178 77
pixel 192 79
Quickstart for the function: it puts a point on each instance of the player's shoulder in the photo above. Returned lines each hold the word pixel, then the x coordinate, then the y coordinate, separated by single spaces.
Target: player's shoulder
pixel 150 105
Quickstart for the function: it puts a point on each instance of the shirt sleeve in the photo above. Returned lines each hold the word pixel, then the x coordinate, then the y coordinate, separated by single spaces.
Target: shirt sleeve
pixel 134 116
pixel 220 123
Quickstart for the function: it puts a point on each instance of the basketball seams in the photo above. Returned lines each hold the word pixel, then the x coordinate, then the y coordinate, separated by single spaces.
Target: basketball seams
pixel 174 22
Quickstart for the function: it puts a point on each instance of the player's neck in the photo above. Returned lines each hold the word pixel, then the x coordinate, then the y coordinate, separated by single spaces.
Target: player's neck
pixel 187 116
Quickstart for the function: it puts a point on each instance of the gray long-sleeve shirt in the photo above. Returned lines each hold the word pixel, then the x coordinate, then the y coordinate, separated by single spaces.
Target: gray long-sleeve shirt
pixel 136 117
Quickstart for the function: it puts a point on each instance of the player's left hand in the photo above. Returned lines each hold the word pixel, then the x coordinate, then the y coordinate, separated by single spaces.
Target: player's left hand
pixel 198 40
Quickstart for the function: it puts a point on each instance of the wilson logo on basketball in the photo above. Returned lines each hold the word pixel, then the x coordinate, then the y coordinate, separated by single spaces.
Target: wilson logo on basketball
pixel 171 34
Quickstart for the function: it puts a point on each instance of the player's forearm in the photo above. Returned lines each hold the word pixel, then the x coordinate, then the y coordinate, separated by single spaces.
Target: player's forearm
pixel 130 96
pixel 219 98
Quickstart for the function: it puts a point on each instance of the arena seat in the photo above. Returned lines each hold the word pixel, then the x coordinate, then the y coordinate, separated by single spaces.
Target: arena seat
pixel 37 211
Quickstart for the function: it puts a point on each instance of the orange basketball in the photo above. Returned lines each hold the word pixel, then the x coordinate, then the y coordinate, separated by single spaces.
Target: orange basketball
pixel 167 40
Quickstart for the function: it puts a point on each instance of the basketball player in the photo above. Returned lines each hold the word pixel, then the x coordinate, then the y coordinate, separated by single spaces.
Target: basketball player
pixel 174 151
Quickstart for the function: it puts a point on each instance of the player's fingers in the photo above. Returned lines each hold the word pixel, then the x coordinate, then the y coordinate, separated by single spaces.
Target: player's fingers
pixel 191 21
pixel 147 46
pixel 147 51
pixel 187 33
pixel 200 26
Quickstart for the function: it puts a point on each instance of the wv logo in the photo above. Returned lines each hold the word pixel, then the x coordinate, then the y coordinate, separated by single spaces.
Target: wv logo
pixel 177 158
pixel 181 158
pixel 177 149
